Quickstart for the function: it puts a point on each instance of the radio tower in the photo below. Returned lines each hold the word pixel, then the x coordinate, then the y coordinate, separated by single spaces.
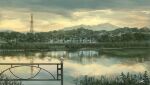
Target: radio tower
pixel 31 22
pixel 31 31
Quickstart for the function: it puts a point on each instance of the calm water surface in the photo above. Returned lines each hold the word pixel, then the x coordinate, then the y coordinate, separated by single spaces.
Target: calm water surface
pixel 87 62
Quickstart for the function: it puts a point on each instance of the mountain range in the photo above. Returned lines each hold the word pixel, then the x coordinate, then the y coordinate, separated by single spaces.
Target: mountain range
pixel 104 26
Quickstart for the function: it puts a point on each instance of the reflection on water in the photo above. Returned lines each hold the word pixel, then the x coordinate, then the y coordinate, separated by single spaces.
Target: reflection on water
pixel 88 62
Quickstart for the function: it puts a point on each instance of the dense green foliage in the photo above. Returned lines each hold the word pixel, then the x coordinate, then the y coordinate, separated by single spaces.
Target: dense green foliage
pixel 77 38
pixel 123 79
pixel 121 34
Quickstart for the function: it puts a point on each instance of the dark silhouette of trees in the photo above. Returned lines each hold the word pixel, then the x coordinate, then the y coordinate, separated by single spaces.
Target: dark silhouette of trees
pixel 122 37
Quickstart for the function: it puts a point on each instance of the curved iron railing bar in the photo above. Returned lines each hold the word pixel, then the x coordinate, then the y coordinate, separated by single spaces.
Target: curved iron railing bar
pixel 14 74
pixel 35 74
pixel 22 78
pixel 3 71
pixel 46 71
pixel 29 66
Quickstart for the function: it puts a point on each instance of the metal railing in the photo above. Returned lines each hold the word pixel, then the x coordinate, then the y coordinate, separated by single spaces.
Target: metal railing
pixel 58 77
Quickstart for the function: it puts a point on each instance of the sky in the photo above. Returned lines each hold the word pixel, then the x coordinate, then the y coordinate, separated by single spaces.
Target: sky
pixel 57 14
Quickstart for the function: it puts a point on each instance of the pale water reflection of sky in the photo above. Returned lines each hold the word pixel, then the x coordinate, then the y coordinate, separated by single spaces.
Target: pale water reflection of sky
pixel 76 66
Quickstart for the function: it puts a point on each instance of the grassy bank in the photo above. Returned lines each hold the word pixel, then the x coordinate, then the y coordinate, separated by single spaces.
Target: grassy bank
pixel 127 52
pixel 74 46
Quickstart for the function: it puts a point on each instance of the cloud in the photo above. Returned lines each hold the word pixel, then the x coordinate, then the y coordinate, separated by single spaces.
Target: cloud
pixel 15 25
pixel 62 6
pixel 57 14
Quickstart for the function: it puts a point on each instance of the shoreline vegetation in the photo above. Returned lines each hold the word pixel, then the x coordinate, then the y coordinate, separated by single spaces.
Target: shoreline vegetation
pixel 65 47
pixel 122 79
pixel 74 46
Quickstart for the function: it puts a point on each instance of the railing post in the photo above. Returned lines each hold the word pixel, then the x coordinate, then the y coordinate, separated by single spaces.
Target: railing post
pixel 57 71
pixel 62 79
pixel 62 73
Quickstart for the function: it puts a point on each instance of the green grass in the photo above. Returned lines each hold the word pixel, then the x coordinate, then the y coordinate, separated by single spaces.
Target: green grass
pixel 122 79
pixel 8 82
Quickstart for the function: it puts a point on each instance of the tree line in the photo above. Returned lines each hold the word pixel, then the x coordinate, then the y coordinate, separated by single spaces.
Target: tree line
pixel 119 35
pixel 77 38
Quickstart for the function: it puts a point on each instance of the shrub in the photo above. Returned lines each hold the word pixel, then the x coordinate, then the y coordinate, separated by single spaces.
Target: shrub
pixel 122 79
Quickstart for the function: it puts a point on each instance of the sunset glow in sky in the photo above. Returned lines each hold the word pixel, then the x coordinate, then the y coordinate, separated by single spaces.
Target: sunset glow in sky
pixel 57 14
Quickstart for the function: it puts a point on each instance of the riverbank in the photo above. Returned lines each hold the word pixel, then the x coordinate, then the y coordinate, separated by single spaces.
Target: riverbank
pixel 115 52
pixel 74 46
pixel 62 49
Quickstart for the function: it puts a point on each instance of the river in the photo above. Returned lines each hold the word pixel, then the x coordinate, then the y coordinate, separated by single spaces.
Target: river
pixel 77 63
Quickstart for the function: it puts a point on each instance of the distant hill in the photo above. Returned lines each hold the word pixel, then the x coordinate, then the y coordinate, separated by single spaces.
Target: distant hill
pixel 99 27
pixel 5 30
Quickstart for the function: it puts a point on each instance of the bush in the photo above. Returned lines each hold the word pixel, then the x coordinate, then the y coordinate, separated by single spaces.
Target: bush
pixel 8 82
pixel 123 79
